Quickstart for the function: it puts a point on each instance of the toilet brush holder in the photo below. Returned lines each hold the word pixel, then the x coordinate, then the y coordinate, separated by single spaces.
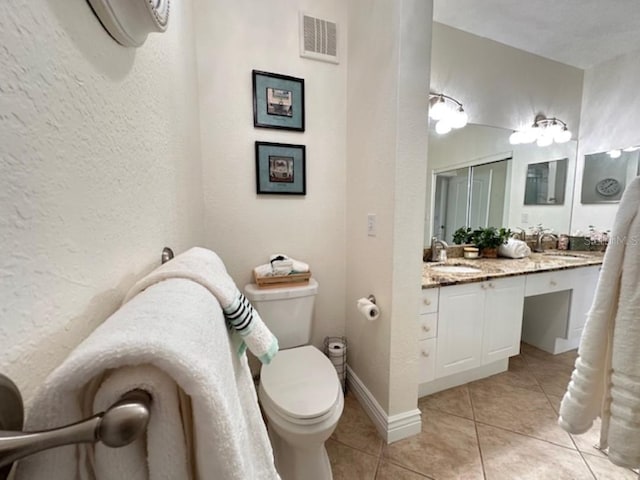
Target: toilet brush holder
pixel 336 349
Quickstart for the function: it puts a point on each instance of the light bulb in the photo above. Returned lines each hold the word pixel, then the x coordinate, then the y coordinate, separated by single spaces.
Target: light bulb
pixel 459 118
pixel 562 136
pixel 530 135
pixel 554 128
pixel 443 126
pixel 615 153
pixel 631 149
pixel 438 108
pixel 544 140
pixel 515 138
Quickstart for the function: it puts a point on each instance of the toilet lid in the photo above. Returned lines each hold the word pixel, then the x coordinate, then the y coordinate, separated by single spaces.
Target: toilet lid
pixel 300 382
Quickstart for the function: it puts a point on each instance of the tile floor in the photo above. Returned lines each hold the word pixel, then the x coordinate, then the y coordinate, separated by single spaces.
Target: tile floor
pixel 499 428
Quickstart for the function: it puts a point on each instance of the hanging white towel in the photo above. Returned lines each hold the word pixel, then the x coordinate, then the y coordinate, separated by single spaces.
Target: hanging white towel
pixel 206 268
pixel 170 340
pixel 606 379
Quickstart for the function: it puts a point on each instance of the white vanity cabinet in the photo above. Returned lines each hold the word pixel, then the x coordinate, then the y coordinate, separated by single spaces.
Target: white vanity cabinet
pixel 478 323
pixel 427 332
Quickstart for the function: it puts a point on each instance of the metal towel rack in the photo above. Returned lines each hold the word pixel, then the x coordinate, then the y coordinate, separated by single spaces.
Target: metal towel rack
pixel 119 425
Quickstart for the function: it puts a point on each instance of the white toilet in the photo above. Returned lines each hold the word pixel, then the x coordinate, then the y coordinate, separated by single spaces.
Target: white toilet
pixel 299 390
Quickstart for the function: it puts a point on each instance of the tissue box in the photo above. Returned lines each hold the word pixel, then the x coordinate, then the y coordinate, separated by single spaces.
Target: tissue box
pixel 581 244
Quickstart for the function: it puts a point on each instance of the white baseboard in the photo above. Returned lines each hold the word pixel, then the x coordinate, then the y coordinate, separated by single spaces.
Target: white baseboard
pixel 391 428
pixel 461 378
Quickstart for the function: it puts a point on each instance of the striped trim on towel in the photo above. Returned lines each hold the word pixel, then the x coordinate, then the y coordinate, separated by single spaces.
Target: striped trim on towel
pixel 251 330
pixel 240 315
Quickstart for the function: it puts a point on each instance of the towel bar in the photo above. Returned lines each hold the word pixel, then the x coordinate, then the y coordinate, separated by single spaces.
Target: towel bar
pixel 119 425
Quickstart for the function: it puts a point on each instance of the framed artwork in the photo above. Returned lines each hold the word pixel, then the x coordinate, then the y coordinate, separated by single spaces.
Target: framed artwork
pixel 280 169
pixel 278 101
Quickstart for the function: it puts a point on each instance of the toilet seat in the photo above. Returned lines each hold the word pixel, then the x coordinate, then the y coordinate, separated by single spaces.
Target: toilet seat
pixel 301 385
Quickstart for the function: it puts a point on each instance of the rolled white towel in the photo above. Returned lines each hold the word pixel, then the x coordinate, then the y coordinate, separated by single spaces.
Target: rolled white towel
pixel 514 249
pixel 264 270
pixel 297 265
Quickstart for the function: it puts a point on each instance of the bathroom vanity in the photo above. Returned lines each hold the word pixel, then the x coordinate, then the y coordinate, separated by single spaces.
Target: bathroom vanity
pixel 474 313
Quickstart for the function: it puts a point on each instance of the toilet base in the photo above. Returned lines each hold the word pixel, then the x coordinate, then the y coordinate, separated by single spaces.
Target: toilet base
pixel 294 463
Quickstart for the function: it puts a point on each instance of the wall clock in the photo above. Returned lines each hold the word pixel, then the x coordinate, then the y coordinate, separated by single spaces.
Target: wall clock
pixel 130 21
pixel 608 187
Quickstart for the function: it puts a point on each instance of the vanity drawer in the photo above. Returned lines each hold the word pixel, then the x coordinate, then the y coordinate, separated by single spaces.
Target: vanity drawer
pixel 429 302
pixel 428 327
pixel 540 283
pixel 426 360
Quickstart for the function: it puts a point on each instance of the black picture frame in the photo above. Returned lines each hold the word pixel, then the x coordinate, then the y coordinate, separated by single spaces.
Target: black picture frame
pixel 278 101
pixel 280 169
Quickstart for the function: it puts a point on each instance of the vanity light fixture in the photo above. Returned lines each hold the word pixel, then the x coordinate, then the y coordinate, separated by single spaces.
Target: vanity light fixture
pixel 544 132
pixel 615 153
pixel 446 116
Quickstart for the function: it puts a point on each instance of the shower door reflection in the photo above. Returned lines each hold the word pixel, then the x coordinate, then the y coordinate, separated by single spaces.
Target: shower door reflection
pixel 469 197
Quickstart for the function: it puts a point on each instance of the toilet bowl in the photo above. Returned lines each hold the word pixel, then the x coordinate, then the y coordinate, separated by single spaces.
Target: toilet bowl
pixel 302 399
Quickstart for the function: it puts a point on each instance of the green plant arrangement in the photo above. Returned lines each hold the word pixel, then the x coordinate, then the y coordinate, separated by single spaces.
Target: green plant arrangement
pixel 463 235
pixel 488 239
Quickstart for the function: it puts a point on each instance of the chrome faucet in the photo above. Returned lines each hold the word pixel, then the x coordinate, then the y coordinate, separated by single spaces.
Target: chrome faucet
pixel 541 236
pixel 436 247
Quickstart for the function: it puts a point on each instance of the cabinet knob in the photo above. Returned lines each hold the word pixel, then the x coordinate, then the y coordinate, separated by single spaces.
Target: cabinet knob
pixel 490 285
pixel 427 301
pixel 483 286
pixel 425 328
pixel 552 283
pixel 425 353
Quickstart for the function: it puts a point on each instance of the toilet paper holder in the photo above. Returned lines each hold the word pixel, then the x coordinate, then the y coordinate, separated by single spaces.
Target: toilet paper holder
pixel 372 299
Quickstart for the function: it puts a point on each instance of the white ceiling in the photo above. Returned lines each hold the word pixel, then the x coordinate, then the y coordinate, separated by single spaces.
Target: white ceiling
pixel 581 33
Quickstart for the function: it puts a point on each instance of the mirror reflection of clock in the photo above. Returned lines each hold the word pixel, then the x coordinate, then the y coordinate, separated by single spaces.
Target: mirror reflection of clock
pixel 608 187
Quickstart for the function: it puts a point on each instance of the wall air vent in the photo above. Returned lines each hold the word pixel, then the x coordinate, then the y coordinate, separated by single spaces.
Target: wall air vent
pixel 318 39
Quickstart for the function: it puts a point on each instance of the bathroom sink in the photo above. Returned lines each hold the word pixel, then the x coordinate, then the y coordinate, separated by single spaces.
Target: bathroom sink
pixel 454 269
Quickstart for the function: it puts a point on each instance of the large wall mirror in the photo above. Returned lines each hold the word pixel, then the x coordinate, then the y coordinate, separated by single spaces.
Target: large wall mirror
pixel 607 174
pixel 477 178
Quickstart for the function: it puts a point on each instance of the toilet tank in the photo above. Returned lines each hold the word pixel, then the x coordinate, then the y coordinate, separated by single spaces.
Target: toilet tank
pixel 287 311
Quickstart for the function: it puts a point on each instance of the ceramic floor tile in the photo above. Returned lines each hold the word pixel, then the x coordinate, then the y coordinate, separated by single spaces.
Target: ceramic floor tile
pixel 605 470
pixel 555 400
pixel 586 441
pixel 509 456
pixel 519 410
pixel 531 352
pixel 455 401
pixel 349 464
pixel 356 429
pixel 447 448
pixel 389 471
pixel 518 375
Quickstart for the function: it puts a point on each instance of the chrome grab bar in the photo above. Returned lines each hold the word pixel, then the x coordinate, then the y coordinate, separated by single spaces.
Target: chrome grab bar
pixel 119 425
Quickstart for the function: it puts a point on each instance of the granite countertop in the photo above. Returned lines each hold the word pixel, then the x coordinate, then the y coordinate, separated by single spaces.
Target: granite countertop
pixel 550 260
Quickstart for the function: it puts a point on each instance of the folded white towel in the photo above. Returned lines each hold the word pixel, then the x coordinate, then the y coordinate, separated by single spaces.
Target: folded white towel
pixel 263 270
pixel 206 268
pixel 171 341
pixel 281 267
pixel 606 379
pixel 297 265
pixel 514 249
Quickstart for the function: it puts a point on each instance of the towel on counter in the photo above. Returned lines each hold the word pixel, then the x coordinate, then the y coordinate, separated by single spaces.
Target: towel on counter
pixel 514 249
pixel 606 378
pixel 206 268
pixel 171 341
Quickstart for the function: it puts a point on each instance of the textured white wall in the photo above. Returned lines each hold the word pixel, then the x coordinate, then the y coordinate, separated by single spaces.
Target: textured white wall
pixel 241 226
pixel 389 46
pixel 99 169
pixel 610 119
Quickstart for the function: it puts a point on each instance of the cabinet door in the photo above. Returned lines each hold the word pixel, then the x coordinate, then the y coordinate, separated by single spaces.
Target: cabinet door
pixel 503 308
pixel 585 281
pixel 459 343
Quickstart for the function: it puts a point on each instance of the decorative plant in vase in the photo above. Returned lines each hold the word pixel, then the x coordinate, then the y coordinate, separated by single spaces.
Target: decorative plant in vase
pixel 463 235
pixel 488 239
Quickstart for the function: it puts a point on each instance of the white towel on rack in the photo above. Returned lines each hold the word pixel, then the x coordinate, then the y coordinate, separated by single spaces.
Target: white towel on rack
pixel 172 341
pixel 606 379
pixel 206 268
